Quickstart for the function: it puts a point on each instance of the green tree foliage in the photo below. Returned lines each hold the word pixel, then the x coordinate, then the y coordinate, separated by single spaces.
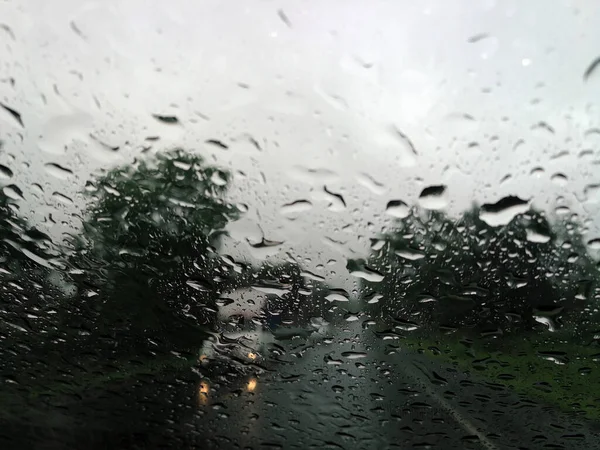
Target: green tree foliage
pixel 464 274
pixel 147 249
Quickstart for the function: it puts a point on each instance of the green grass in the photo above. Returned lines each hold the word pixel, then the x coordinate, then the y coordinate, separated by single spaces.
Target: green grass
pixel 555 372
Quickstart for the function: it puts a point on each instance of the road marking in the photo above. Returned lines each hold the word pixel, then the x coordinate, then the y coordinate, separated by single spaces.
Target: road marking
pixel 465 423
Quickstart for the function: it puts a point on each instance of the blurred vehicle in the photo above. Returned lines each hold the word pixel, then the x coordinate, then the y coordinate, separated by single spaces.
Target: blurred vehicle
pixel 240 336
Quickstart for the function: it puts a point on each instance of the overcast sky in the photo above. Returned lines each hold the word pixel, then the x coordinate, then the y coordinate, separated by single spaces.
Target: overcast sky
pixel 373 99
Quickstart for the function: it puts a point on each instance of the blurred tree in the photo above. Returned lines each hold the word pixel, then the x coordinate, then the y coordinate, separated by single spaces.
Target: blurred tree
pixel 146 254
pixel 27 258
pixel 464 274
pixel 30 289
pixel 296 299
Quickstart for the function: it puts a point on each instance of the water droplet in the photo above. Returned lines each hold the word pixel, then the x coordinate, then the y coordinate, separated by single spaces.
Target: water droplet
pixel 38 188
pixel 559 179
pixel 537 172
pixel 15 116
pixel 410 254
pixel 538 235
pixel 14 192
pixel 543 129
pixel 592 193
pixel 594 244
pixel 407 150
pixel 377 244
pixel 368 274
pixel 337 295
pixel 312 276
pixel 199 285
pixel 218 178
pixel 62 198
pixel 76 30
pixel 217 143
pixel 503 211
pixel 170 120
pixel 354 355
pixel 433 197
pixel 371 184
pixel 297 207
pixel 5 173
pixel 336 201
pixel 397 209
pixel 278 290
pixel 405 325
pixel 284 18
pixel 8 30
pixel 591 69
pixel 314 176
pixel 373 298
pixel 58 171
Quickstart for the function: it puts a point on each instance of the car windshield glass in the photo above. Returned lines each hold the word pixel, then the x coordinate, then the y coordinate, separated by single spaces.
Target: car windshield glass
pixel 291 225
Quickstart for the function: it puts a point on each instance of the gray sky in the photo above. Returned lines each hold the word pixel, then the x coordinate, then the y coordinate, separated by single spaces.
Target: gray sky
pixel 482 90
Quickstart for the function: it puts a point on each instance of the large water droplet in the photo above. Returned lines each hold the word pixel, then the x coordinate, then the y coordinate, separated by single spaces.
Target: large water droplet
pixel 368 274
pixel 397 209
pixel 337 295
pixel 14 192
pixel 538 235
pixel 5 173
pixel 434 197
pixel 58 171
pixel 265 248
pixel 503 211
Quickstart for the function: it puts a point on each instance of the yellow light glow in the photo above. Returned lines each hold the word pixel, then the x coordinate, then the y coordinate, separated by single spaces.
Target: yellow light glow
pixel 252 356
pixel 202 358
pixel 251 385
pixel 204 387
pixel 203 390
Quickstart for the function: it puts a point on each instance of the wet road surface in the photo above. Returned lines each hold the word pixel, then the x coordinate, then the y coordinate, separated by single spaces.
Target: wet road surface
pixel 339 393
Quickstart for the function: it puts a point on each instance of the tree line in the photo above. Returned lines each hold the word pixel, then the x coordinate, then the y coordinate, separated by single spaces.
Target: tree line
pixel 445 274
pixel 145 274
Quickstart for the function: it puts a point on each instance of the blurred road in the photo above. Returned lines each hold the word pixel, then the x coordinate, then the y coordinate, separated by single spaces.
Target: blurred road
pixel 345 394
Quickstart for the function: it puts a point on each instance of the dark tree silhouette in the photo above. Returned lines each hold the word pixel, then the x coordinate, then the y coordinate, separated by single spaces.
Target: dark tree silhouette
pixel 147 250
pixel 27 257
pixel 299 299
pixel 30 291
pixel 464 274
